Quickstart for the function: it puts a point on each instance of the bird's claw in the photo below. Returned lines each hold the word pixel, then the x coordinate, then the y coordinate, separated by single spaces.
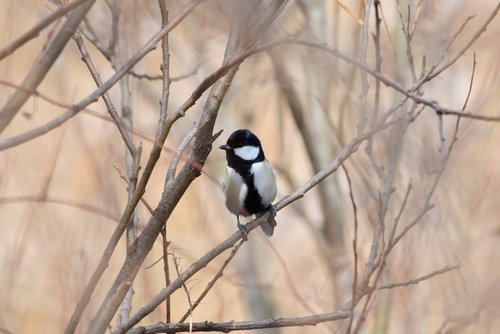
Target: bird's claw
pixel 244 231
pixel 273 210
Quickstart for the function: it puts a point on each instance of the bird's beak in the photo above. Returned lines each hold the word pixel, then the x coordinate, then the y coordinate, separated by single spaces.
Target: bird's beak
pixel 225 147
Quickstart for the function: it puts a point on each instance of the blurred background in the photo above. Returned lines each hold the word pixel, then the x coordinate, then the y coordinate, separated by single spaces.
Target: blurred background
pixel 61 196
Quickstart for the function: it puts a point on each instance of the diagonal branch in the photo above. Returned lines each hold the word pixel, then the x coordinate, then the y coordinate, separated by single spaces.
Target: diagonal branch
pixel 35 31
pixel 122 128
pixel 419 279
pixel 42 67
pixel 201 148
pixel 348 150
pixel 141 186
pixel 92 97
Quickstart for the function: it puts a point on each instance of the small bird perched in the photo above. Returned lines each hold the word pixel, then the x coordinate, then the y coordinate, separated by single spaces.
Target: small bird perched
pixel 250 185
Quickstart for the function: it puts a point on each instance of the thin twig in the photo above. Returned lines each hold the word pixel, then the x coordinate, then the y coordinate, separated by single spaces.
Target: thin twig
pixel 344 154
pixel 122 128
pixel 165 69
pixel 92 97
pixel 166 271
pixel 172 167
pixel 289 278
pixel 92 37
pixel 199 153
pixel 451 41
pixel 103 263
pixel 176 261
pixel 35 31
pixel 376 105
pixel 363 116
pixel 146 76
pixel 416 19
pixel 398 87
pixel 22 138
pixel 419 279
pixel 212 282
pixel 437 71
pixel 124 178
pixel 400 214
pixel 405 27
pixel 41 67
pixel 354 247
pixel 427 205
pixel 62 201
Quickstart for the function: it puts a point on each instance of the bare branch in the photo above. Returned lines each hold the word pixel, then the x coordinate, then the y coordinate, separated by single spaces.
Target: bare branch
pixel 120 228
pixel 165 69
pixel 109 104
pixel 398 87
pixel 146 76
pixel 354 246
pixel 186 290
pixel 348 150
pixel 41 68
pixel 172 167
pixel 289 279
pixel 213 281
pixel 419 279
pixel 171 196
pixel 363 113
pixel 124 178
pixel 35 31
pixel 62 201
pixel 230 326
pixel 148 47
pixel 166 271
pixel 436 71
pixel 398 217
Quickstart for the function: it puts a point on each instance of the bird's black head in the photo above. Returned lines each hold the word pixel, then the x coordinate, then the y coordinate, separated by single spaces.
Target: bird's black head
pixel 243 146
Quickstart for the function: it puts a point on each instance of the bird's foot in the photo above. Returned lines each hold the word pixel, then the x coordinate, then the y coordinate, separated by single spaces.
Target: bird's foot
pixel 272 209
pixel 243 230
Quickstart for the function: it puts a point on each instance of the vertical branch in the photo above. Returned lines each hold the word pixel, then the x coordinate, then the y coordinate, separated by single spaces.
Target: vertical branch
pixel 171 196
pixel 364 76
pixel 176 262
pixel 166 271
pixel 132 158
pixel 378 61
pixel 165 69
pixel 141 186
pixel 408 37
pixel 378 66
pixel 354 249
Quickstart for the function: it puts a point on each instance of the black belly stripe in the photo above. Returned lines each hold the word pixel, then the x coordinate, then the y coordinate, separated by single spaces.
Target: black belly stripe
pixel 253 201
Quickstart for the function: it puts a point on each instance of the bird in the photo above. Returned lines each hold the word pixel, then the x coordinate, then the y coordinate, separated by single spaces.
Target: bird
pixel 250 184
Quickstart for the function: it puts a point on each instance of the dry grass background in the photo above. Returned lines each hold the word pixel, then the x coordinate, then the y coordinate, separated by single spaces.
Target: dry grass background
pixel 49 248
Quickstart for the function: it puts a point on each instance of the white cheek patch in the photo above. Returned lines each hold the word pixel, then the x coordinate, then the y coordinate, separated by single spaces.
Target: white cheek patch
pixel 247 152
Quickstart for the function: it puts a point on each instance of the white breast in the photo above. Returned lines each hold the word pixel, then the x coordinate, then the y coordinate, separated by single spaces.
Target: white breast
pixel 235 190
pixel 265 181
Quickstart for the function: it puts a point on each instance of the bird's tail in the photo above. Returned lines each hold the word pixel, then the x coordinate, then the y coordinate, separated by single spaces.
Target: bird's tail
pixel 268 226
